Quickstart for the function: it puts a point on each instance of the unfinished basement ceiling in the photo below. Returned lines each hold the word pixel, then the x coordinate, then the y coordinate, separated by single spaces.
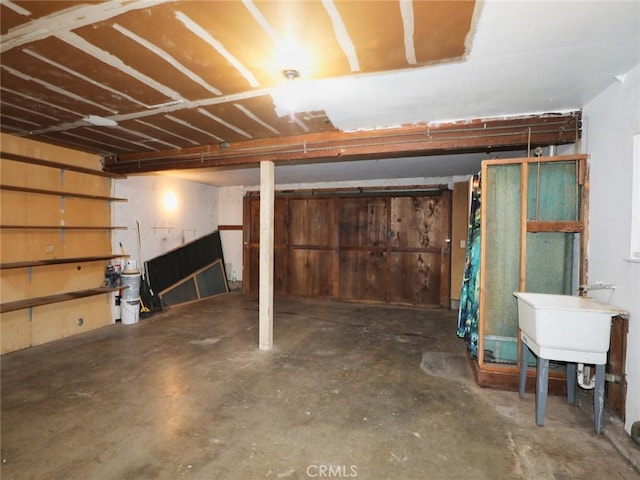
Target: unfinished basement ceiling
pixel 169 76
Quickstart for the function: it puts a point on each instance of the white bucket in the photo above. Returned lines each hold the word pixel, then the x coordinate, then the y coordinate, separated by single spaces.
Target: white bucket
pixel 131 280
pixel 130 265
pixel 130 312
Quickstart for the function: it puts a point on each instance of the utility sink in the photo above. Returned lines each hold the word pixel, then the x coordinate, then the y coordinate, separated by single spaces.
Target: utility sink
pixel 565 327
pixel 568 329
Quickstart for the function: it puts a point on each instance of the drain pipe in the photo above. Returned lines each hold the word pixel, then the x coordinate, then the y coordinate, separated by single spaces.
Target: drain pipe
pixel 585 380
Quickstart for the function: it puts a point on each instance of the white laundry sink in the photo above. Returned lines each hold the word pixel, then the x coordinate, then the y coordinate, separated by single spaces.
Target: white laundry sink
pixel 565 327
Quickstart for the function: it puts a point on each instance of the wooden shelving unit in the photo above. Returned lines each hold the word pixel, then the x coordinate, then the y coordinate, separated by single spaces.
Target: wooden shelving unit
pixel 56 261
pixel 61 166
pixel 59 297
pixel 41 191
pixel 29 303
pixel 60 227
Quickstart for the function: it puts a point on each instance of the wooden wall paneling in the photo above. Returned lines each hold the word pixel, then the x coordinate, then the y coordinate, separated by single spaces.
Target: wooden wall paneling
pixel 81 183
pixel 252 245
pixel 415 278
pixel 52 279
pixel 445 251
pixel 14 246
pixel 363 222
pixel 418 222
pixel 246 244
pixel 313 221
pixel 616 361
pixel 87 242
pixel 15 331
pixel 335 257
pixel 32 326
pixel 59 320
pixel 281 270
pixel 363 275
pixel 252 274
pixel 311 236
pixel 363 270
pixel 84 212
pixel 310 272
pixel 459 231
pixel 14 284
pixel 420 226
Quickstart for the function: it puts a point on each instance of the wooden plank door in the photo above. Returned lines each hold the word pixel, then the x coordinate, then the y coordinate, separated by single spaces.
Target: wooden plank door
pixel 419 250
pixel 311 227
pixel 363 243
pixel 252 245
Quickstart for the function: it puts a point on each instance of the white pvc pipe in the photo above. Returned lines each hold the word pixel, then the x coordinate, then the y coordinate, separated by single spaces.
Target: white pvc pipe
pixel 590 380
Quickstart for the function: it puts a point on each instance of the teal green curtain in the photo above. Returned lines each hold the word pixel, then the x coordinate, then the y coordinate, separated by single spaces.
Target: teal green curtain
pixel 470 292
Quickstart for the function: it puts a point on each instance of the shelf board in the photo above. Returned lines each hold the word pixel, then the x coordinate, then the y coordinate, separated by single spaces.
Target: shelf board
pixel 15 188
pixel 56 261
pixel 59 227
pixel 60 297
pixel 62 166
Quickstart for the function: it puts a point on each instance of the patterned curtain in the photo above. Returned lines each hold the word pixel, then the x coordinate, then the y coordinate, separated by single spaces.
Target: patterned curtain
pixel 469 295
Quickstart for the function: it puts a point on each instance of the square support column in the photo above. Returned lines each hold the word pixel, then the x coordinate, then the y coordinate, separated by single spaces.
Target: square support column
pixel 267 203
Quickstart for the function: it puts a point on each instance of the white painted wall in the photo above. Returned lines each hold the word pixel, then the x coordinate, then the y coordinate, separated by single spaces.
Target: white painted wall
pixel 611 120
pixel 230 213
pixel 161 230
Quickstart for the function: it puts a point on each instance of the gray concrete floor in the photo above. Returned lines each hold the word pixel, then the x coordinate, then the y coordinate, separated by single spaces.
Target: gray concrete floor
pixel 350 391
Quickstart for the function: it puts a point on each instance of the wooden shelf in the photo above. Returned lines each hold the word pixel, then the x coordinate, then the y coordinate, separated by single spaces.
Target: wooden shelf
pixel 58 227
pixel 60 297
pixel 56 261
pixel 14 188
pixel 62 166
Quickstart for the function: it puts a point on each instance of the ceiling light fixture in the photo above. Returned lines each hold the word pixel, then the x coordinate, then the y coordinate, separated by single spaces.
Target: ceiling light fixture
pixel 291 74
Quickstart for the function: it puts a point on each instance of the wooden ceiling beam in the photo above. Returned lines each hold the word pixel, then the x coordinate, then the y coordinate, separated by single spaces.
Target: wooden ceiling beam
pixel 480 135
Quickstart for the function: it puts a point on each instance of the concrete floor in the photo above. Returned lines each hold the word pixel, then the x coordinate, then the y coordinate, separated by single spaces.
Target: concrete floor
pixel 350 391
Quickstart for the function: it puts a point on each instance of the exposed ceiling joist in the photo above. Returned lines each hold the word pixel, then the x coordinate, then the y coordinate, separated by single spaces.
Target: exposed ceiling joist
pixel 479 135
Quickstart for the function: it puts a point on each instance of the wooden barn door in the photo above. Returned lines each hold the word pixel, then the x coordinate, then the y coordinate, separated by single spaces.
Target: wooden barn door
pixel 419 245
pixel 379 249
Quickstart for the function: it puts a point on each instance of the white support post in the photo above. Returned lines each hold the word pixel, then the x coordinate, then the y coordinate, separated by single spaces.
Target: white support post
pixel 267 202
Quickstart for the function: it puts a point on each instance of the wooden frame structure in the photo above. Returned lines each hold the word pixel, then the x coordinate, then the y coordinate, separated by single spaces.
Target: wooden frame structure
pixel 503 375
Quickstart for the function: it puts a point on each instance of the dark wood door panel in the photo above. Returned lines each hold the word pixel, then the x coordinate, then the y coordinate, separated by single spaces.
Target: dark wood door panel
pixel 280 221
pixel 417 222
pixel 312 221
pixel 363 276
pixel 378 249
pixel 280 274
pixel 310 273
pixel 415 278
pixel 363 222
